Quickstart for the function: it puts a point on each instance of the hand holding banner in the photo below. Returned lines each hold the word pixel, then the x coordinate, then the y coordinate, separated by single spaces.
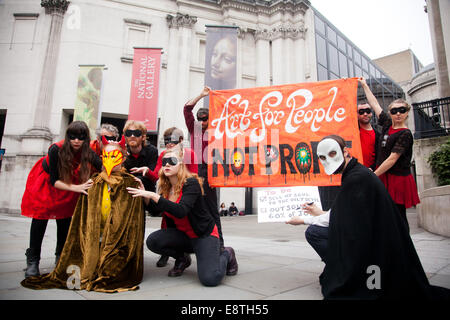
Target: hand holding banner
pixel 268 136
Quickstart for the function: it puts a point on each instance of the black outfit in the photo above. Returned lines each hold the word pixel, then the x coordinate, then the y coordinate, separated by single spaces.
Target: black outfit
pixel 233 210
pixel 400 142
pixel 210 195
pixel 148 156
pixel 365 230
pixel 211 262
pixel 317 237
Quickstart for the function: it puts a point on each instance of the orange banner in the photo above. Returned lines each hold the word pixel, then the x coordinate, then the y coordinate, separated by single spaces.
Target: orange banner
pixel 268 136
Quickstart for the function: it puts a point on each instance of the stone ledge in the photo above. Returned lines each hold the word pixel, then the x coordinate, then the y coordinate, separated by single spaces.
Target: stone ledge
pixel 433 213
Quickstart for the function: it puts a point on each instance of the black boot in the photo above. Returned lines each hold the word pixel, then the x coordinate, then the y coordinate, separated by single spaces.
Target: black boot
pixel 33 259
pixel 162 262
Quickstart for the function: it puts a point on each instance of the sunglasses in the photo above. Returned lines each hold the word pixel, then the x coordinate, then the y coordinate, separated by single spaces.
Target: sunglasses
pixel 110 138
pixel 136 133
pixel 362 111
pixel 171 161
pixel 80 137
pixel 204 118
pixel 168 140
pixel 401 110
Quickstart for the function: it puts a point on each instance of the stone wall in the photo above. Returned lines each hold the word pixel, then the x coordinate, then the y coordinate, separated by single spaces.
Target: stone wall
pixel 422 150
pixel 15 171
pixel 433 212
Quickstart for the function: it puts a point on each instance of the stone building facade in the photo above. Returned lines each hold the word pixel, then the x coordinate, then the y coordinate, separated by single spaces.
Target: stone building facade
pixel 43 43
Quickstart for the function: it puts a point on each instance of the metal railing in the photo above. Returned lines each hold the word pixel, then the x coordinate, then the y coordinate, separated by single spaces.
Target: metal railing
pixel 431 118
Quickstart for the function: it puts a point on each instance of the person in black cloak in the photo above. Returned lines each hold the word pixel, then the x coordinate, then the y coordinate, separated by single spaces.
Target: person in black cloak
pixel 370 253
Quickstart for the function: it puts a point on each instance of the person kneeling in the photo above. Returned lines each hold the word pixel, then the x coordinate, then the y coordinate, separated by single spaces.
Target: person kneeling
pixel 191 227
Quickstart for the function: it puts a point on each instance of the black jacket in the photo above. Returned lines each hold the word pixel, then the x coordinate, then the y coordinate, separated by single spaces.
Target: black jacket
pixel 366 230
pixel 191 205
pixel 147 158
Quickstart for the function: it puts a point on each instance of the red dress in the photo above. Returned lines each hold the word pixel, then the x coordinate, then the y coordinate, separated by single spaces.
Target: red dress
pixel 41 200
pixel 402 188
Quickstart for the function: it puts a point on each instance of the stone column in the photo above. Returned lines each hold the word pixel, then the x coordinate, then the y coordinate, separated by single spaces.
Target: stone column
pixel 178 68
pixel 38 138
pixel 440 59
pixel 263 62
pixel 278 76
pixel 299 67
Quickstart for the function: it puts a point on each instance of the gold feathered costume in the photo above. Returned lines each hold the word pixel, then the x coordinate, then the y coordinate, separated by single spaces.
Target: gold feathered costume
pixel 113 264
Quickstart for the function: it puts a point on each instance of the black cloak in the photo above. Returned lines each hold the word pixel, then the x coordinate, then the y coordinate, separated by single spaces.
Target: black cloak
pixel 369 239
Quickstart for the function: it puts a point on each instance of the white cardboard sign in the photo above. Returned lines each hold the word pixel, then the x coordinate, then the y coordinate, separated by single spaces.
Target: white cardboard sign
pixel 281 204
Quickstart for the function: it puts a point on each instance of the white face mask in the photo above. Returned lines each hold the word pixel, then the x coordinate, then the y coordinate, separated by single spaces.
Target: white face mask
pixel 330 155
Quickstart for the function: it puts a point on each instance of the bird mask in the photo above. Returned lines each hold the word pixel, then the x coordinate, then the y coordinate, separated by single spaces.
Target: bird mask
pixel 114 157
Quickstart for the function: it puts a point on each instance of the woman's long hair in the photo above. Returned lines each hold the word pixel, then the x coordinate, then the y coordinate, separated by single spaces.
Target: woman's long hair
pixel 66 164
pixel 183 174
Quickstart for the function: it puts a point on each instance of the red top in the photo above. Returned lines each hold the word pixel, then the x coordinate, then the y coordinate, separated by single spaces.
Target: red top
pixel 367 146
pixel 184 225
pixel 392 130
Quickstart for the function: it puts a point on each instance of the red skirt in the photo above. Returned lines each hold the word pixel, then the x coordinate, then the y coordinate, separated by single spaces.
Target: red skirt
pixel 402 189
pixel 41 200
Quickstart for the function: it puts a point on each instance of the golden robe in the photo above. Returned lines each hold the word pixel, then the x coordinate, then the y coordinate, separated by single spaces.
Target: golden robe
pixel 113 264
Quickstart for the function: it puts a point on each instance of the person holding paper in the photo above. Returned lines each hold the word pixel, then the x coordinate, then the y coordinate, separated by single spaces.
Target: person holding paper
pixel 370 254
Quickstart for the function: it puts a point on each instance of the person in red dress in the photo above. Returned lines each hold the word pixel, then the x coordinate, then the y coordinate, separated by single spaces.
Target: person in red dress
pixel 193 229
pixel 53 187
pixel 395 152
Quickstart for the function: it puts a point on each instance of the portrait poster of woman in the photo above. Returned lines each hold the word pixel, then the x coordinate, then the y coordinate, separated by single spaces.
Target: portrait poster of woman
pixel 220 58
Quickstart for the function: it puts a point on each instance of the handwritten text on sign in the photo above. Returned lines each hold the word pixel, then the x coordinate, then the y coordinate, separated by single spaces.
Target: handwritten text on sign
pixel 281 204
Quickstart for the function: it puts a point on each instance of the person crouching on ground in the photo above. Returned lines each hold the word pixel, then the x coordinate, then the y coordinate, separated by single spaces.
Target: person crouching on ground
pixel 191 227
pixel 370 254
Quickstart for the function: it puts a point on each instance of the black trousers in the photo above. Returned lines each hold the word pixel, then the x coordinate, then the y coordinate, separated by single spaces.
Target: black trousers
pixel 211 262
pixel 37 232
pixel 211 199
pixel 317 237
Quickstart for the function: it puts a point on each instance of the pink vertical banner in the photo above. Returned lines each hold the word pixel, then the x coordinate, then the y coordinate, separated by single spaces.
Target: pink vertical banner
pixel 145 87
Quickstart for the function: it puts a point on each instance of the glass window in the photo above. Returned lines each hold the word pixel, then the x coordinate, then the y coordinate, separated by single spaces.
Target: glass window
pixel 333 76
pixel 321 50
pixel 343 65
pixel 331 35
pixel 364 64
pixel 322 73
pixel 334 60
pixel 357 57
pixel 341 44
pixel 366 75
pixel 358 71
pixel 377 74
pixel 372 70
pixel 350 69
pixel 349 51
pixel 319 24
